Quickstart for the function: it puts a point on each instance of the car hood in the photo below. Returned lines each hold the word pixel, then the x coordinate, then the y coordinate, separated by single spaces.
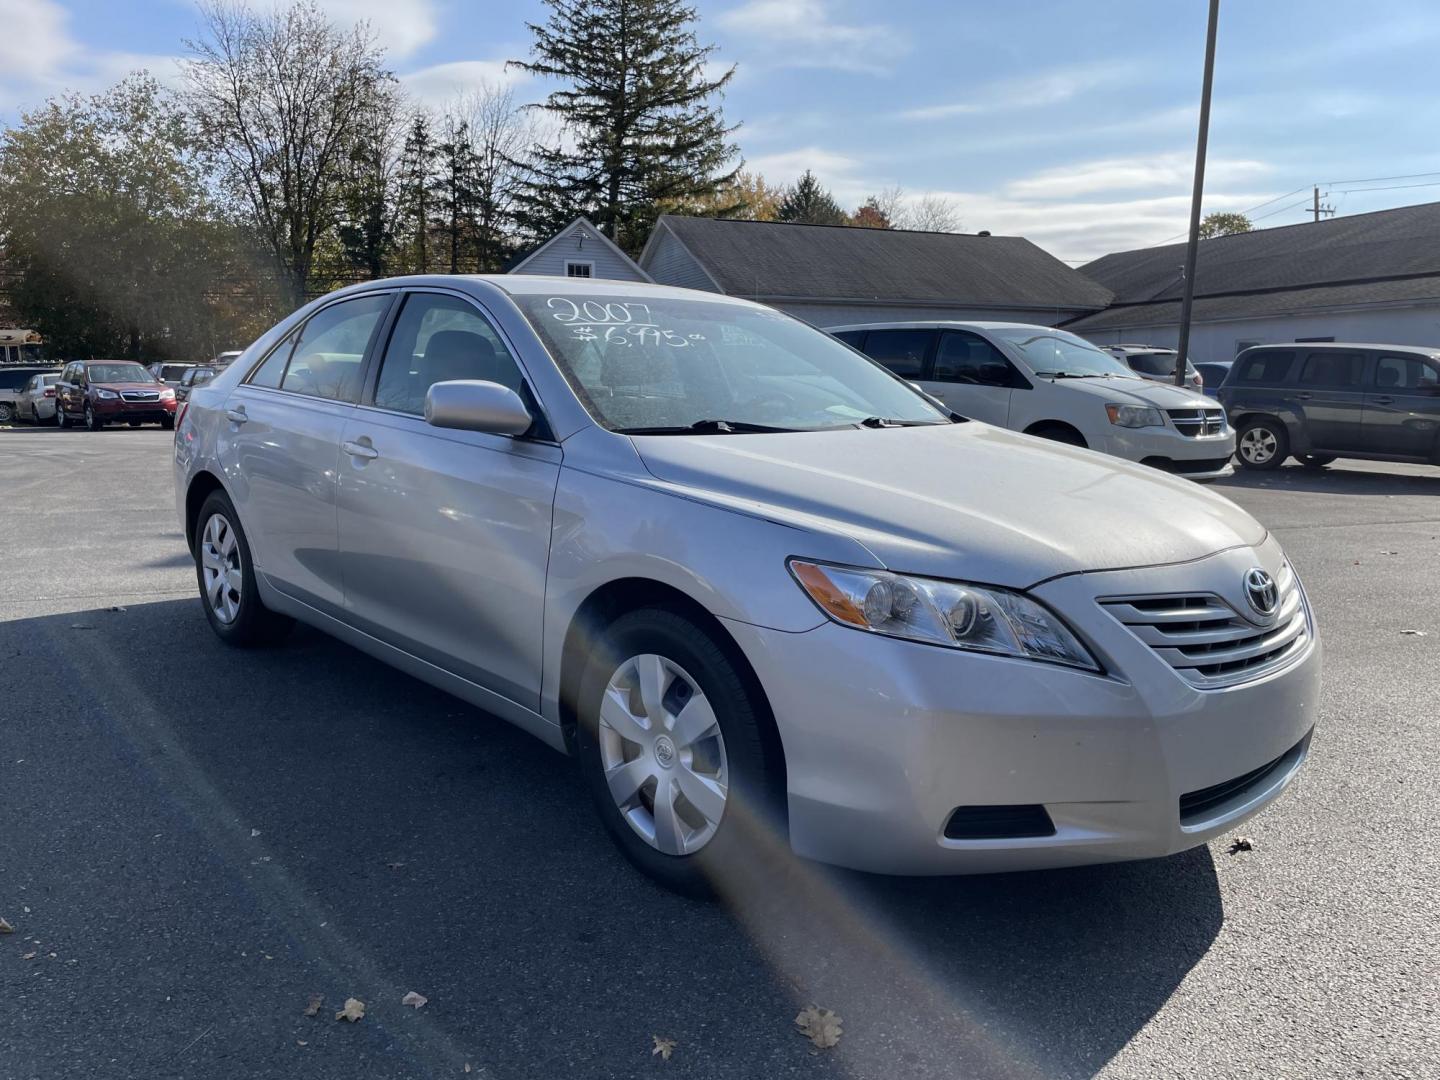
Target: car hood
pixel 966 501
pixel 1138 391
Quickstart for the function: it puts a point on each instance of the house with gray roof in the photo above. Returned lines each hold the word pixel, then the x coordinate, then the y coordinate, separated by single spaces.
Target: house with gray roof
pixel 579 250
pixel 830 275
pixel 1367 277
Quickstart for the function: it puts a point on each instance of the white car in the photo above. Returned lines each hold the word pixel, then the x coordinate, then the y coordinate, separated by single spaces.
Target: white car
pixel 1053 384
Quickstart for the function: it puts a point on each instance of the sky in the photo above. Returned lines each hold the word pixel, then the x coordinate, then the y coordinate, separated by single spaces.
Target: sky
pixel 1071 123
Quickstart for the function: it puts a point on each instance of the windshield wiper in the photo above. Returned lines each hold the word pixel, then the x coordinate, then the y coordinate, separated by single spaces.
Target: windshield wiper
pixel 886 421
pixel 706 427
pixel 1074 374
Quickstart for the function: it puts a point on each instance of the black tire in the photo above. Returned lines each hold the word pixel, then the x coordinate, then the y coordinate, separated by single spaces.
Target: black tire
pixel 1316 461
pixel 168 423
pixel 8 412
pixel 750 832
pixel 61 420
pixel 1059 433
pixel 254 624
pixel 92 422
pixel 1262 444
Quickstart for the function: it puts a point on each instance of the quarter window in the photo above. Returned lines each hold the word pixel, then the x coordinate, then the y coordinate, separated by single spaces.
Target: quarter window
pixel 1332 368
pixel 327 358
pixel 440 338
pixel 902 351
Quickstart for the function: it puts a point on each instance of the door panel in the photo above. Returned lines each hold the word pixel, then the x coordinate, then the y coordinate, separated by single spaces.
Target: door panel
pixel 972 377
pixel 1402 406
pixel 1330 394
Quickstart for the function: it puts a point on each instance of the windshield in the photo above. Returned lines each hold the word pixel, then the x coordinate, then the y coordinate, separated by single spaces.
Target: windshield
pixel 102 373
pixel 676 364
pixel 1056 352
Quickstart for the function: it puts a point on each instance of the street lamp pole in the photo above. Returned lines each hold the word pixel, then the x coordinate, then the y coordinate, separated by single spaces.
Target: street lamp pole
pixel 1188 300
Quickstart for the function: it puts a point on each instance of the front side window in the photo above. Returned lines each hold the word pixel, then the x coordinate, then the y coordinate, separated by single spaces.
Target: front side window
pixel 677 365
pixel 1060 354
pixel 440 338
pixel 902 351
pixel 327 358
pixel 963 357
pixel 1333 368
pixel 1407 373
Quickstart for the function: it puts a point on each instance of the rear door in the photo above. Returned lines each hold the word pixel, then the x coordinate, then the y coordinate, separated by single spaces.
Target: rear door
pixel 282 440
pixel 1402 405
pixel 445 534
pixel 1330 395
pixel 973 377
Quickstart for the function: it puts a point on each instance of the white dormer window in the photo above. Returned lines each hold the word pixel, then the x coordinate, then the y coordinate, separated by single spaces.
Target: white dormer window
pixel 576 268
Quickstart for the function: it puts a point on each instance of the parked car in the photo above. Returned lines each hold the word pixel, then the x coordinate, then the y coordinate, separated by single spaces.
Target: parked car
pixel 13 380
pixel 1212 374
pixel 1318 402
pixel 1053 384
pixel 100 392
pixel 763 589
pixel 169 374
pixel 1156 363
pixel 193 377
pixel 37 400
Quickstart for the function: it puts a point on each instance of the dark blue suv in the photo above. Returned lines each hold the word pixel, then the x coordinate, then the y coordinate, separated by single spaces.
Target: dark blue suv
pixel 1317 402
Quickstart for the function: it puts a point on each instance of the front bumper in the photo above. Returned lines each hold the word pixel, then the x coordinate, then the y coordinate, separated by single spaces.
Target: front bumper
pixel 122 411
pixel 885 739
pixel 1200 457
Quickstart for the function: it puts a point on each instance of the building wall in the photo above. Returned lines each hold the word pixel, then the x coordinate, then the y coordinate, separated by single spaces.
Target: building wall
pixel 1410 325
pixel 581 243
pixel 669 263
pixel 825 314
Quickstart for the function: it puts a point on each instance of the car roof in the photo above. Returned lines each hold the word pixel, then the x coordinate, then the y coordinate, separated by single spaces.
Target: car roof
pixel 1418 350
pixel 940 324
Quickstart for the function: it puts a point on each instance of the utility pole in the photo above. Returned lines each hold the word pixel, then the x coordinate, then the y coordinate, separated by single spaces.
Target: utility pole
pixel 1317 210
pixel 1188 299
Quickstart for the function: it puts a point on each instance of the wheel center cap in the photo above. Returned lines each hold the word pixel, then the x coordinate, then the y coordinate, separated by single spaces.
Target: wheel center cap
pixel 665 751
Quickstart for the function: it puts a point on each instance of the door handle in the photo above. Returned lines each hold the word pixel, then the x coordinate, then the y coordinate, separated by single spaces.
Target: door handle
pixel 1385 400
pixel 360 450
pixel 236 415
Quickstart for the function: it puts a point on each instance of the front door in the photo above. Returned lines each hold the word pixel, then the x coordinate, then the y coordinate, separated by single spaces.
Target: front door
pixel 283 430
pixel 973 378
pixel 1330 394
pixel 1402 405
pixel 445 534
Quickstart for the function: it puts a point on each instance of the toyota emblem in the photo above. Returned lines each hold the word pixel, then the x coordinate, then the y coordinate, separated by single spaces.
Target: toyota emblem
pixel 1262 592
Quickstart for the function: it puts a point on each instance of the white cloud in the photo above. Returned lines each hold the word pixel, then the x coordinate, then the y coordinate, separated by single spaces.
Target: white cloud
pixel 440 84
pixel 832 169
pixel 1033 91
pixel 401 26
pixel 35 41
pixel 803 33
pixel 1173 172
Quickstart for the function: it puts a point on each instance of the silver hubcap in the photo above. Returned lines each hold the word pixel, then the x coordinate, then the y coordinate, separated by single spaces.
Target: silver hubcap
pixel 220 566
pixel 1258 445
pixel 663 755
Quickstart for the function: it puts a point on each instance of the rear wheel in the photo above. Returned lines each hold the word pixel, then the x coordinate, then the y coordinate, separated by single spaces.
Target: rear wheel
pixel 226 575
pixel 670 744
pixel 7 412
pixel 1316 461
pixel 1262 444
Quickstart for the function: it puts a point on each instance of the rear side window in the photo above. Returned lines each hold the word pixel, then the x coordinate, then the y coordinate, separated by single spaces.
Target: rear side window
pixel 902 351
pixel 1267 368
pixel 272 370
pixel 1332 367
pixel 1412 373
pixel 327 358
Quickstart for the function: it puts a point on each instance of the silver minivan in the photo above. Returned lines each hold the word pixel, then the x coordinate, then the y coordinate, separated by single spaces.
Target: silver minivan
pixel 769 595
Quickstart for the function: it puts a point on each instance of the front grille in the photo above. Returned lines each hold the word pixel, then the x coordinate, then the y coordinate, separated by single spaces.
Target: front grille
pixel 1197 806
pixel 999 822
pixel 1196 422
pixel 140 395
pixel 1208 642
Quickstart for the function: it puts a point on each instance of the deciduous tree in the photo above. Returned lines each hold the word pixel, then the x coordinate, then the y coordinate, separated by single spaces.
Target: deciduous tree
pixel 1223 224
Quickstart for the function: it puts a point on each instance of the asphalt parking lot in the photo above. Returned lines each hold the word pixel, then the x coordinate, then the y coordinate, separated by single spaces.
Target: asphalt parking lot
pixel 195 840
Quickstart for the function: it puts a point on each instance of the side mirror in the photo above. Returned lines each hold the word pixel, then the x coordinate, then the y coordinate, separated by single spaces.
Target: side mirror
pixel 474 405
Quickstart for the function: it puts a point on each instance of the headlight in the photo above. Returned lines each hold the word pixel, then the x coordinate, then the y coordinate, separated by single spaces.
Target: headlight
pixel 106 395
pixel 1135 416
pixel 985 620
pixel 167 394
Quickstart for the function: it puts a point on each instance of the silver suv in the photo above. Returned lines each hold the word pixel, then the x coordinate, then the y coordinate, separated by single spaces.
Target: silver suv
pixel 768 593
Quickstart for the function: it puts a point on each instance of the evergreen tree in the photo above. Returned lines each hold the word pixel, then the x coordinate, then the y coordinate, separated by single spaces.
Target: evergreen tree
pixel 806 202
pixel 417 177
pixel 366 226
pixel 455 187
pixel 643 126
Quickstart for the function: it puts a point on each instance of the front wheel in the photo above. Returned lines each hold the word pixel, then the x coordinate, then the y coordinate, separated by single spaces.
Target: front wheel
pixel 226 574
pixel 671 745
pixel 92 422
pixel 1262 444
pixel 61 420
pixel 7 412
pixel 168 423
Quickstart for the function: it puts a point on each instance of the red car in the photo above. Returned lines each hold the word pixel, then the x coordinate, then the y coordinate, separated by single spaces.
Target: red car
pixel 100 392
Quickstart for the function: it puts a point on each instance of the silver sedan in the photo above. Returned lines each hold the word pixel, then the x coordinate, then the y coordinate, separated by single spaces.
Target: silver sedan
pixel 771 596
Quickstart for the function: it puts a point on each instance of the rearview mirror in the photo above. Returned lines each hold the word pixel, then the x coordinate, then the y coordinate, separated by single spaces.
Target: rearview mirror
pixel 474 405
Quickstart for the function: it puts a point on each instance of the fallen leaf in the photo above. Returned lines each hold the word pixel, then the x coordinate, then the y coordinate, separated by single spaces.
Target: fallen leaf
pixel 820 1026
pixel 353 1011
pixel 1414 633
pixel 313 1008
pixel 116 607
pixel 6 928
pixel 663 1047
pixel 1241 843
pixel 81 626
pixel 395 865
pixel 254 833
pixel 467 1066
pixel 29 956
pixel 414 999
pixel 301 1042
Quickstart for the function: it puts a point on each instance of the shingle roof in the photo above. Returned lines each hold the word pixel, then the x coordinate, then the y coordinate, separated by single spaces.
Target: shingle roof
pixel 1362 247
pixel 1257 305
pixel 780 261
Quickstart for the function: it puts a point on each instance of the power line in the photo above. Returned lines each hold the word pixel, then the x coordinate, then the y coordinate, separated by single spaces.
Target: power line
pixel 1378 179
pixel 1282 210
pixel 1393 187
